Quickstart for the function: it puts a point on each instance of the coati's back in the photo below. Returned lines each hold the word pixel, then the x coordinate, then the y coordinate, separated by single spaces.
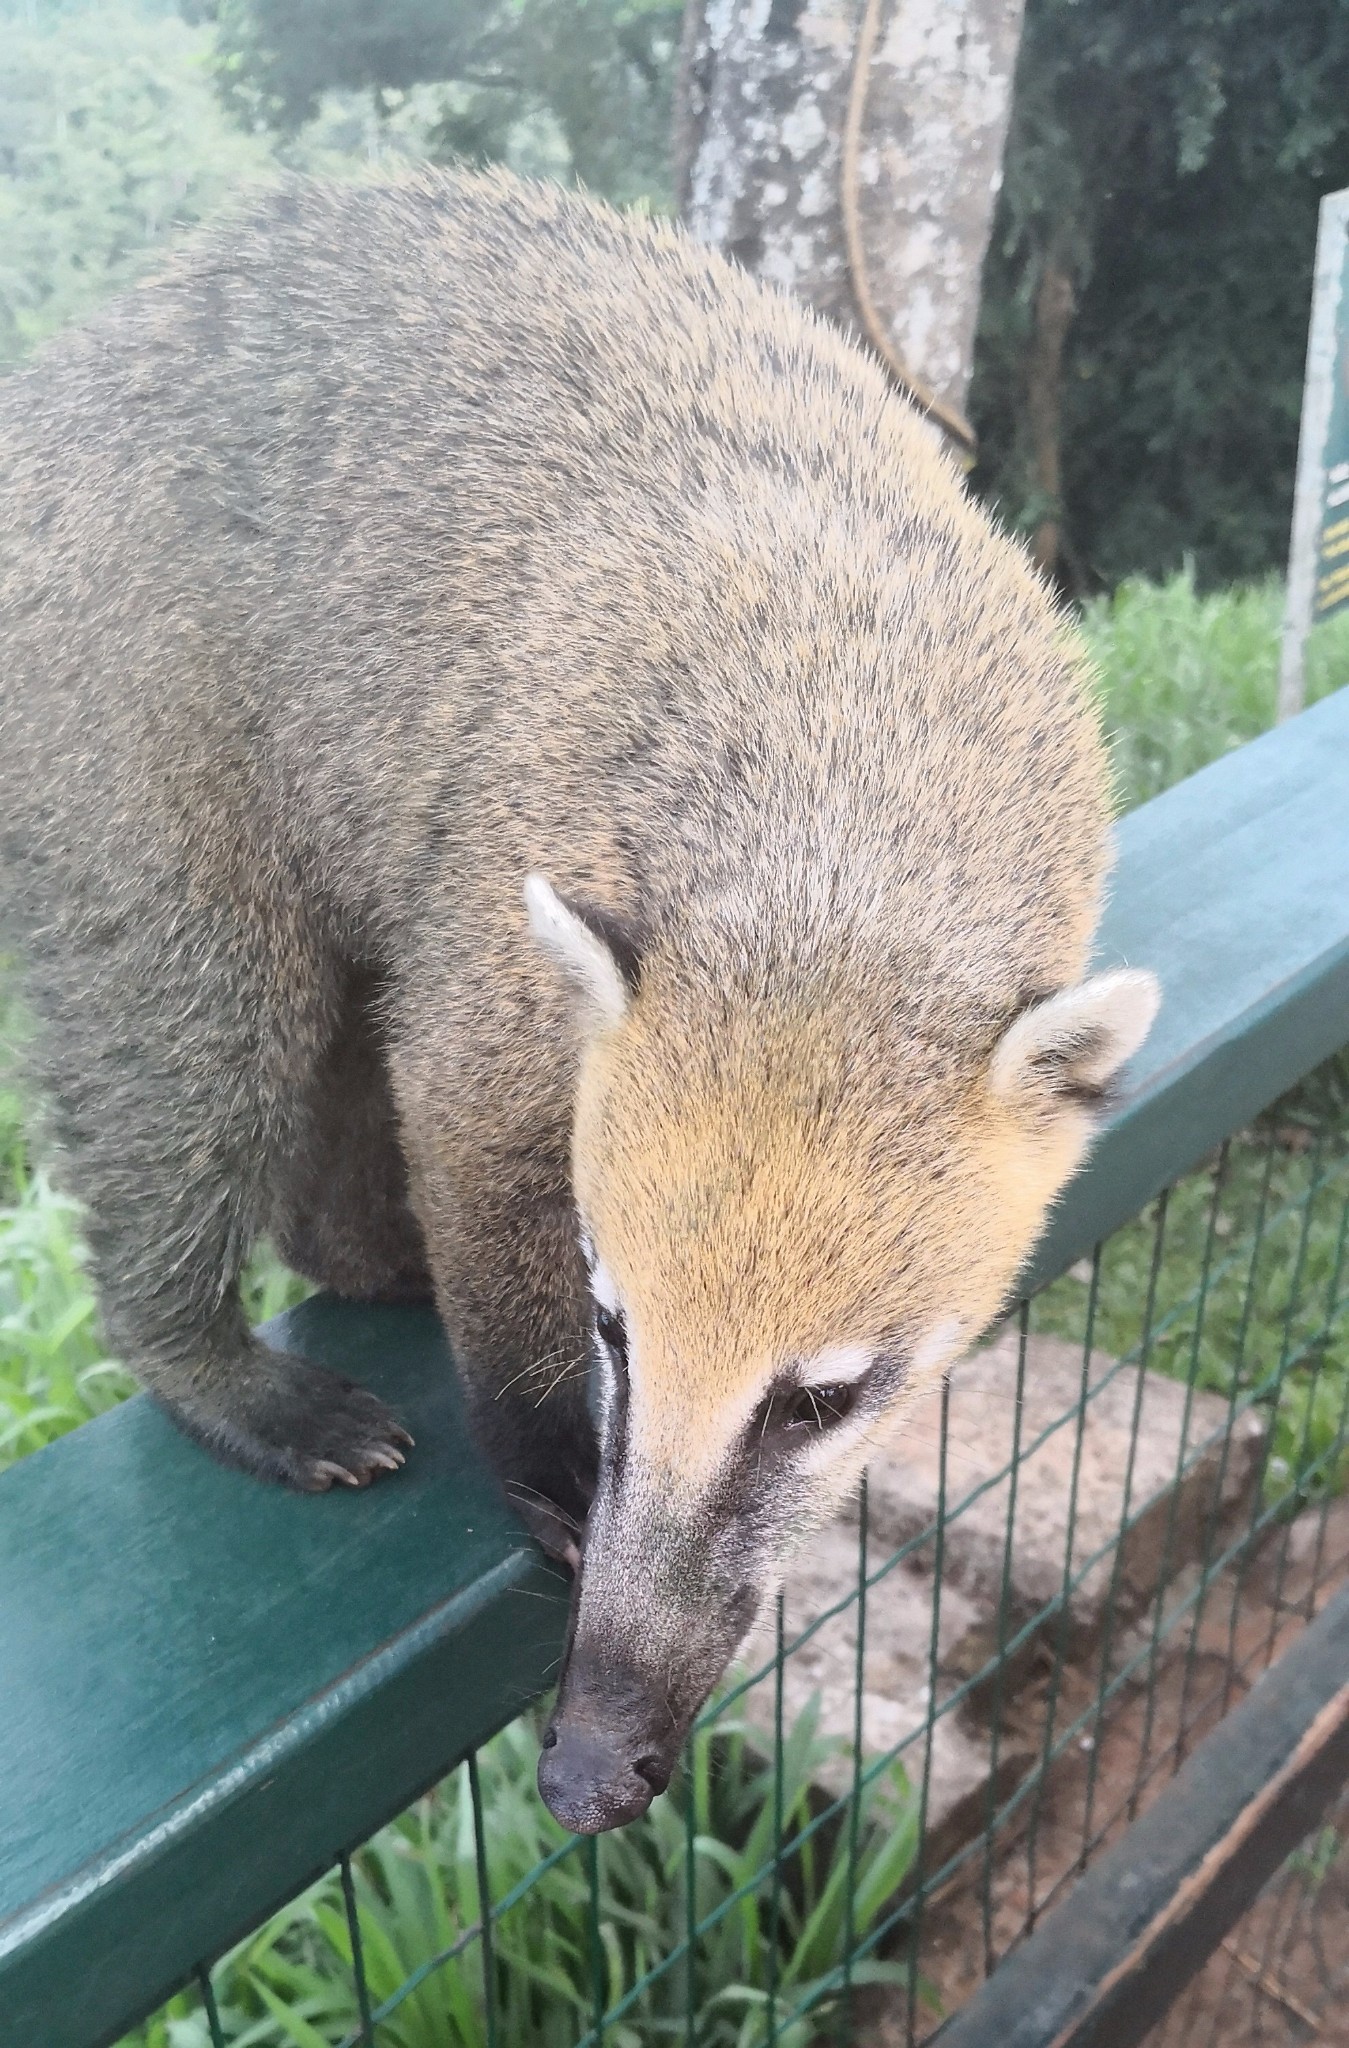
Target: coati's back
pixel 459 495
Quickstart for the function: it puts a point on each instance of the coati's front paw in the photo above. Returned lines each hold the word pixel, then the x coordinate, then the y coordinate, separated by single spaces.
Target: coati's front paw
pixel 353 1439
pixel 298 1424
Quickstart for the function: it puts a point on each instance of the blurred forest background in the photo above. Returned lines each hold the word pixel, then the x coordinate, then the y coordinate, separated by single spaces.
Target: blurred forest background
pixel 1162 174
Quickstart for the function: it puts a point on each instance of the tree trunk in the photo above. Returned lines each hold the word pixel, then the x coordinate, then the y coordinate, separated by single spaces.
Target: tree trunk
pixel 767 165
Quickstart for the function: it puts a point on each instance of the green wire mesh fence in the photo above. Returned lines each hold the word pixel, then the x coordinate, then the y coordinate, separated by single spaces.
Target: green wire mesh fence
pixel 1076 1559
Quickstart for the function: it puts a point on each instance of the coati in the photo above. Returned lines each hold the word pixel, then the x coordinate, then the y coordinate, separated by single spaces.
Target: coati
pixel 523 775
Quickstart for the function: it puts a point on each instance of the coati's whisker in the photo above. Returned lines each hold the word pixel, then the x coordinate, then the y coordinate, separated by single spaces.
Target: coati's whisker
pixel 516 1489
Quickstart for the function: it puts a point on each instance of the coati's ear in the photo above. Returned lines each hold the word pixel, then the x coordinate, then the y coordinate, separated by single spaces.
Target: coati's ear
pixel 1070 1047
pixel 598 959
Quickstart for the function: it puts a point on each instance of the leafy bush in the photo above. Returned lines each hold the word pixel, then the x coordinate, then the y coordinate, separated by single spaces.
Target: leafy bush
pixel 115 133
pixel 1185 676
pixel 1164 164
pixel 594 75
pixel 111 136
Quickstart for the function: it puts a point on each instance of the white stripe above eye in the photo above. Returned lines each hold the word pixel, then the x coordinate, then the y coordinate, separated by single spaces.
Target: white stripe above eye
pixel 935 1348
pixel 838 1365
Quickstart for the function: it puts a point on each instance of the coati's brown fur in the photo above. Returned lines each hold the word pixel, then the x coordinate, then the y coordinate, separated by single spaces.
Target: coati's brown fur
pixel 399 544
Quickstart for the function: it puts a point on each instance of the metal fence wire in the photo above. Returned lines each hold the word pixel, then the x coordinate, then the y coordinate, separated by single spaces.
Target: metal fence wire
pixel 1076 1559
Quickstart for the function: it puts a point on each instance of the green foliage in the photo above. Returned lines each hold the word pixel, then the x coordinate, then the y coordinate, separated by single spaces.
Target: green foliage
pixel 53 1372
pixel 594 74
pixel 416 1884
pixel 115 135
pixel 111 137
pixel 278 57
pixel 1169 155
pixel 1186 677
pixel 1250 1282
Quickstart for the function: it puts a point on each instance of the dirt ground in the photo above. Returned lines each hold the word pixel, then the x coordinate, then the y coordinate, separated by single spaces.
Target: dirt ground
pixel 1282 1977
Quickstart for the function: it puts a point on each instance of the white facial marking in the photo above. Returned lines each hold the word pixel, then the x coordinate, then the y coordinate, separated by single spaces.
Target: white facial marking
pixel 606 1295
pixel 936 1348
pixel 603 1288
pixel 838 1365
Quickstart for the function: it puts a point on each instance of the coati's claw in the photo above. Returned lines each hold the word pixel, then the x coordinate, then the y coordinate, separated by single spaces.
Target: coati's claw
pixel 337 1432
pixel 302 1426
pixel 325 1472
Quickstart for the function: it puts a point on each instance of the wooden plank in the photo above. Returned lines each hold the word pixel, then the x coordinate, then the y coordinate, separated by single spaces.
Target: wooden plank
pixel 1234 888
pixel 210 1687
pixel 1107 1964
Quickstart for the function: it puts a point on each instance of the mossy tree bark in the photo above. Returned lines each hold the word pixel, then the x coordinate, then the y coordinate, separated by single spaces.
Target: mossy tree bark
pixel 762 106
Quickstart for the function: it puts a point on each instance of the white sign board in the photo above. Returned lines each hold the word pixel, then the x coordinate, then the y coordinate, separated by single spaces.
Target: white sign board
pixel 1318 562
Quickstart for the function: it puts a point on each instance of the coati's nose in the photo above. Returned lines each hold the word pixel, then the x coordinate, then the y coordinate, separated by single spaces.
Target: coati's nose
pixel 591 1783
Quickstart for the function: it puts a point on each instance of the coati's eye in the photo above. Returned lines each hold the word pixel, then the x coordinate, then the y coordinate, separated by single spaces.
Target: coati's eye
pixel 819 1408
pixel 612 1333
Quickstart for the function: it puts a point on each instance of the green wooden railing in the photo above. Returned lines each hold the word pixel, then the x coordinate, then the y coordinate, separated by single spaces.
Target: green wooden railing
pixel 212 1691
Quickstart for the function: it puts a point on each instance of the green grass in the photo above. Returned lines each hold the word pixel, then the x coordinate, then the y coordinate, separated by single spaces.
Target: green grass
pixel 1184 678
pixel 1247 1268
pixel 416 1887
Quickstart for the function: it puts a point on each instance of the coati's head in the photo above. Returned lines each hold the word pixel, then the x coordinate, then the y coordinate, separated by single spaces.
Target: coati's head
pixel 798 1208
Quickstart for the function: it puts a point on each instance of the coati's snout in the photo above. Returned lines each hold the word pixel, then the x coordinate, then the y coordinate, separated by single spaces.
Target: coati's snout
pixel 611 1745
pixel 591 1783
pixel 659 1612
